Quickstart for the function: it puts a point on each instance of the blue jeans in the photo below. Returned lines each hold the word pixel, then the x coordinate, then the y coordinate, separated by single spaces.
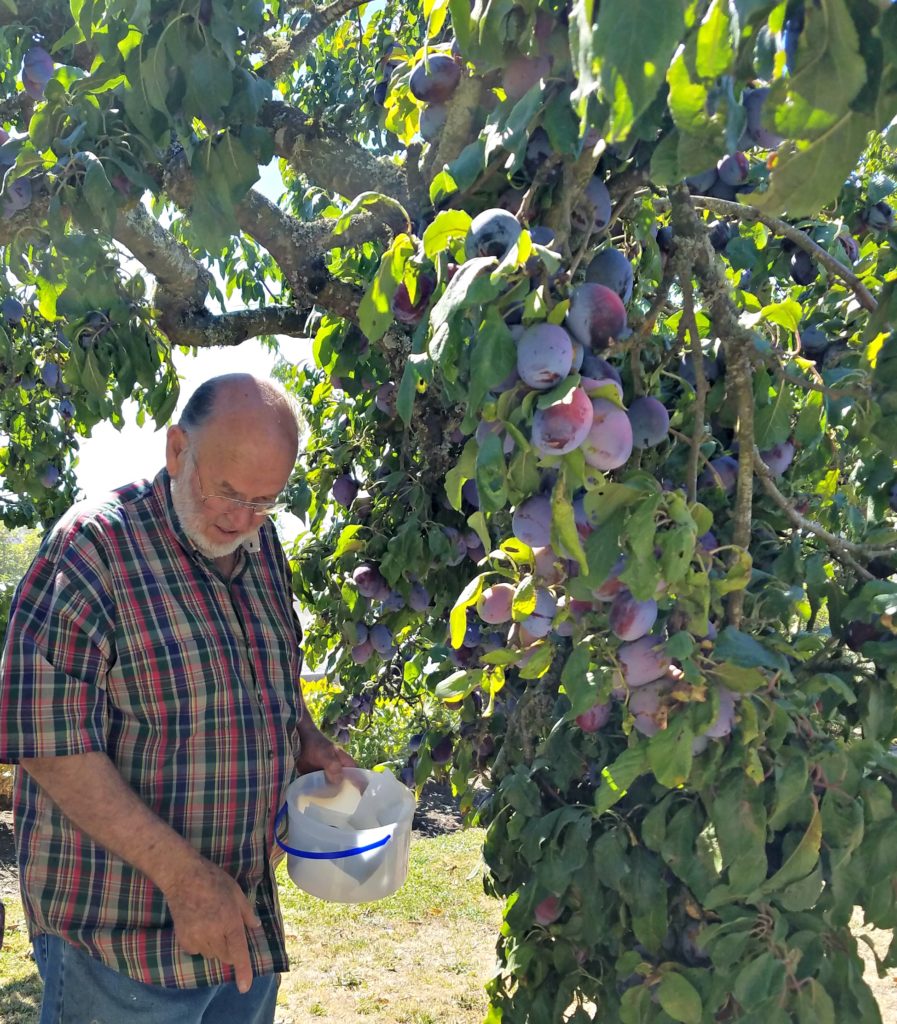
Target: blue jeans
pixel 79 989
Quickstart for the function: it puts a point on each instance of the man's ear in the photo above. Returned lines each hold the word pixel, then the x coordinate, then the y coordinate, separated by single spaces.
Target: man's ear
pixel 176 444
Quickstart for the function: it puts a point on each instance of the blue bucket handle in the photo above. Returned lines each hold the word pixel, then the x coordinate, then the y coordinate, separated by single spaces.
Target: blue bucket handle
pixel 316 855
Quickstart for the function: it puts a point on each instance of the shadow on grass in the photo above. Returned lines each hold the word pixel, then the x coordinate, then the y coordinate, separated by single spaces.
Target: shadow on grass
pixel 20 1000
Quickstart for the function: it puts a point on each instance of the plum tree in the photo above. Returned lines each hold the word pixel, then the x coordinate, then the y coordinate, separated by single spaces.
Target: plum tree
pixel 404 155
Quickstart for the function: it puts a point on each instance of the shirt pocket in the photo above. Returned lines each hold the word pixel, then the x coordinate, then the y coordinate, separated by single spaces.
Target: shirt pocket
pixel 172 688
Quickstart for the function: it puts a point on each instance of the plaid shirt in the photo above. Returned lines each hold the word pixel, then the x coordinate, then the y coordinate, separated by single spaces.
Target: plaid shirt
pixel 124 639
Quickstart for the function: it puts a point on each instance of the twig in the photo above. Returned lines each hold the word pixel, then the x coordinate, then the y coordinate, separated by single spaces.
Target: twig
pixel 697 355
pixel 646 326
pixel 738 343
pixel 814 385
pixel 800 238
pixel 842 549
pixel 298 45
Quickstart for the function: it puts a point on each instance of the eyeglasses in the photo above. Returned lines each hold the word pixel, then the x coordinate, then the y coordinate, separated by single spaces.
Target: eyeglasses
pixel 220 503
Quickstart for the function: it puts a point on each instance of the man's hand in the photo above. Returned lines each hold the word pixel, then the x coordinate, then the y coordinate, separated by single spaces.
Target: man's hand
pixel 320 754
pixel 211 914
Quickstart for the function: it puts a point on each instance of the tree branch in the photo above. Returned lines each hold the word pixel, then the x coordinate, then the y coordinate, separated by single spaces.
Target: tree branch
pixel 801 239
pixel 203 330
pixel 697 357
pixel 842 549
pixel 182 281
pixel 332 162
pixel 738 344
pixel 298 247
pixel 294 49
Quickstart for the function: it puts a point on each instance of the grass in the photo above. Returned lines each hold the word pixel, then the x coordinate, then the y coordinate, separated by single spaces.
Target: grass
pixel 419 957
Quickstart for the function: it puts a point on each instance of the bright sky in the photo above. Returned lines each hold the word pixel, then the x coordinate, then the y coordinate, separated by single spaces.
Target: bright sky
pixel 110 457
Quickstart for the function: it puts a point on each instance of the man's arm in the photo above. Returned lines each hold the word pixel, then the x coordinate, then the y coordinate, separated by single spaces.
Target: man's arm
pixel 209 909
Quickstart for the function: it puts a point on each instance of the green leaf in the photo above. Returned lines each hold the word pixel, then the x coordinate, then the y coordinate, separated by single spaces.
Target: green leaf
pixel 579 684
pixel 459 684
pixel 209 85
pixel 375 308
pixel 448 226
pixel 772 423
pixel 363 200
pixel 787 314
pixel 464 469
pixel 458 615
pixel 630 62
pixel 618 777
pixel 492 474
pixel 813 1004
pixel 493 356
pixel 715 53
pixel 760 980
pixel 524 602
pixel 564 535
pixel 455 296
pixel 670 754
pixel 739 678
pixel 677 546
pixel 831 69
pixel 98 191
pixel 803 859
pixel 741 649
pixel 680 999
pixel 539 661
pixel 806 176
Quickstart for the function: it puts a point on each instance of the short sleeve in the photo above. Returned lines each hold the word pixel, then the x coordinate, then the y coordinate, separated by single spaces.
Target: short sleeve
pixel 57 653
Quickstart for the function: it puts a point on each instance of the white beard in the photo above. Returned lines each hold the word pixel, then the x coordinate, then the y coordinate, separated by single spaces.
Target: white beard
pixel 189 515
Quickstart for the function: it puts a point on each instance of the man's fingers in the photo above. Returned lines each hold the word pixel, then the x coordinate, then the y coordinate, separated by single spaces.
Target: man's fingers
pixel 238 955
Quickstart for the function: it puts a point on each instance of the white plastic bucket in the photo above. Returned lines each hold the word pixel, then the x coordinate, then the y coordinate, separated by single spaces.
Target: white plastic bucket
pixel 348 843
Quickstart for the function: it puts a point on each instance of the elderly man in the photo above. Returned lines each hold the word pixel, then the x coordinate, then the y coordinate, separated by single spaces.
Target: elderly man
pixel 149 688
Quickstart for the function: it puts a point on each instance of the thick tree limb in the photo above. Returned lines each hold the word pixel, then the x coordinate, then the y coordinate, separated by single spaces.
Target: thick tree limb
pixel 203 330
pixel 842 549
pixel 332 162
pixel 801 239
pixel 463 110
pixel 298 247
pixel 294 49
pixel 183 282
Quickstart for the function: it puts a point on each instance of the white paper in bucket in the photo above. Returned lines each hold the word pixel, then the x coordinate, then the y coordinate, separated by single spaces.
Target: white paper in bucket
pixel 348 844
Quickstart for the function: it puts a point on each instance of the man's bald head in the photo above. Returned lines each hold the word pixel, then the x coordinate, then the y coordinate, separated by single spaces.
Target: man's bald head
pixel 241 406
